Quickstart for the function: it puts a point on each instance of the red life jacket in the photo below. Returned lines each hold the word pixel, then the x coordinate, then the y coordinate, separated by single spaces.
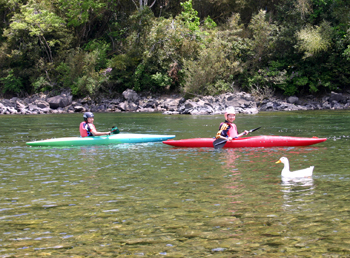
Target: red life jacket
pixel 231 131
pixel 85 129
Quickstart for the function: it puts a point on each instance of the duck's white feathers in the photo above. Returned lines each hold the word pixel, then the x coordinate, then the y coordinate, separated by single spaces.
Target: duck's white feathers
pixel 306 172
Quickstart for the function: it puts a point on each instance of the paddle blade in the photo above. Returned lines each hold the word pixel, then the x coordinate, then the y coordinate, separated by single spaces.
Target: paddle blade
pixel 252 130
pixel 219 143
pixel 115 130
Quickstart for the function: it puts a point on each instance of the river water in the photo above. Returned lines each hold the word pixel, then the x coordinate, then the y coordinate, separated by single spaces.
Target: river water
pixel 154 200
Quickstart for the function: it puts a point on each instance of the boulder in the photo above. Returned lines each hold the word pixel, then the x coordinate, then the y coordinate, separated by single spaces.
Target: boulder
pixel 250 111
pixel 338 97
pixel 32 107
pixel 79 108
pixel 8 103
pixel 201 110
pixel 171 104
pixel 127 106
pixel 293 100
pixel 60 101
pixel 326 105
pixel 269 106
pixel 146 110
pixel 242 99
pixel 41 103
pixel 150 103
pixel 86 100
pixel 130 95
pixel 12 110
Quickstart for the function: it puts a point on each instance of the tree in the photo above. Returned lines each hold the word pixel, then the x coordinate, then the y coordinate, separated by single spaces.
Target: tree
pixel 142 4
pixel 313 40
pixel 34 22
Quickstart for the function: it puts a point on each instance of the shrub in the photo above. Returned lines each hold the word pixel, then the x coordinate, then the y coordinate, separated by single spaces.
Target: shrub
pixel 11 84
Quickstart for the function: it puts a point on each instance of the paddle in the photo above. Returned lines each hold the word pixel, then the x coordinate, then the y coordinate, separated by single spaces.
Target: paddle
pixel 115 130
pixel 220 142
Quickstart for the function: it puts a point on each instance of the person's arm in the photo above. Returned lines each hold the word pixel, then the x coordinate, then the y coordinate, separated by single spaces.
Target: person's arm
pixel 222 133
pixel 243 133
pixel 95 133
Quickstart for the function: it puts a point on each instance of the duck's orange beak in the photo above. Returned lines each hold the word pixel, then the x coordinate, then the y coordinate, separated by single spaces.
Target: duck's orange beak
pixel 278 161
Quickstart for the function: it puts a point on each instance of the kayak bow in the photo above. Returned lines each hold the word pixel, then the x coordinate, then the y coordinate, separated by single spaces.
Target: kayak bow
pixel 254 141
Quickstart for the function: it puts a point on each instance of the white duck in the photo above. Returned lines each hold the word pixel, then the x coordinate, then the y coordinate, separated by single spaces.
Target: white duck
pixel 307 172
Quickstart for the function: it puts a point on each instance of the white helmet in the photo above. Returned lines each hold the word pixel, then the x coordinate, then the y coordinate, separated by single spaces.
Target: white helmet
pixel 230 110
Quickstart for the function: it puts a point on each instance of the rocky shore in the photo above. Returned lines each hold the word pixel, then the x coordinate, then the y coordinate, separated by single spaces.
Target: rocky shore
pixel 130 101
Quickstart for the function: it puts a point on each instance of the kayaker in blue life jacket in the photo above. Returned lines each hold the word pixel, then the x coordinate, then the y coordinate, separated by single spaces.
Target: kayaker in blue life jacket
pixel 87 128
pixel 227 129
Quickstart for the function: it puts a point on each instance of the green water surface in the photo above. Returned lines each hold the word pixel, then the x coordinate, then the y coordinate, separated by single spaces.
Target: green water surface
pixel 154 200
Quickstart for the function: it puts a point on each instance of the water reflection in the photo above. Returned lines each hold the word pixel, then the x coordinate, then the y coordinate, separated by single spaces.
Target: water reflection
pixel 297 193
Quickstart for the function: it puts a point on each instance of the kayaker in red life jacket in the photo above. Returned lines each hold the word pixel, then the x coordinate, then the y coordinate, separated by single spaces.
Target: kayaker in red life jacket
pixel 227 129
pixel 87 128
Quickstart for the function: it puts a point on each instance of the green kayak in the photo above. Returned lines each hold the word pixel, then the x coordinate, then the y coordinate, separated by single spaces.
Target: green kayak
pixel 102 140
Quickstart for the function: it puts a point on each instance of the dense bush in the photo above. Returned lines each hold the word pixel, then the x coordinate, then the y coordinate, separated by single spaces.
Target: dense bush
pixel 93 47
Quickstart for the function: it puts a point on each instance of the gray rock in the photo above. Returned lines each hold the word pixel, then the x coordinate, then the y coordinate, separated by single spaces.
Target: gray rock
pixel 326 105
pixel 60 101
pixel 127 106
pixel 12 110
pixel 337 105
pixel 130 95
pixel 293 100
pixel 41 103
pixel 79 108
pixel 19 105
pixel 250 111
pixel 171 104
pixel 339 97
pixel 86 100
pixel 170 113
pixel 146 110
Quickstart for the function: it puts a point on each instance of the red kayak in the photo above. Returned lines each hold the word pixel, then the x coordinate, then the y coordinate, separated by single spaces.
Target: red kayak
pixel 254 141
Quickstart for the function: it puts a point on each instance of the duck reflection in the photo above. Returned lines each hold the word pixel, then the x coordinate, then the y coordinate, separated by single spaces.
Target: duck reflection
pixel 297 192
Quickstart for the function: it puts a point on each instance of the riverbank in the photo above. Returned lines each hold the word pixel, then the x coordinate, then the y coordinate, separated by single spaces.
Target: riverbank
pixel 130 101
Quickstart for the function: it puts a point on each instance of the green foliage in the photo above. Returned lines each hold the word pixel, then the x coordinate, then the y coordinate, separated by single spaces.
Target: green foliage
pixel 262 37
pixel 144 80
pixel 100 48
pixel 347 53
pixel 274 76
pixel 189 16
pixel 218 61
pixel 36 23
pixel 313 40
pixel 141 79
pixel 123 67
pixel 41 85
pixel 294 47
pixel 11 83
pixel 78 12
pixel 320 9
pixel 161 80
pixel 209 23
pixel 79 72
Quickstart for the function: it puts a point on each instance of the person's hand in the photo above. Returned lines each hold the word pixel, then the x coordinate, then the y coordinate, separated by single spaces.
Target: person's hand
pixel 229 139
pixel 246 132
